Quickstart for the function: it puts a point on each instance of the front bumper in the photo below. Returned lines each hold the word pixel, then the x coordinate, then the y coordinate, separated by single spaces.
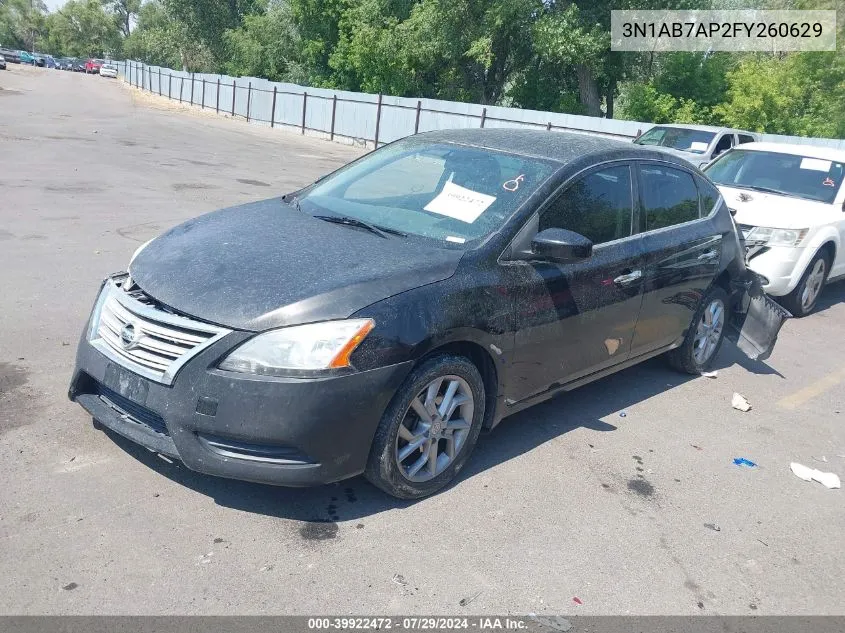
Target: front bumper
pixel 287 431
pixel 782 267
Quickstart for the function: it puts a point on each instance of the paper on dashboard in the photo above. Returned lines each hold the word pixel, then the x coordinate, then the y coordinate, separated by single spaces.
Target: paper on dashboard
pixel 460 203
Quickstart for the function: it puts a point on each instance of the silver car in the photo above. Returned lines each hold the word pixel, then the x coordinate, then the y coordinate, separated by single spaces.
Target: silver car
pixel 698 144
pixel 2 63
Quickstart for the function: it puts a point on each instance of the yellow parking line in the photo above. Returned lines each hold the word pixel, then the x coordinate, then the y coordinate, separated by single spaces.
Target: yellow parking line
pixel 796 399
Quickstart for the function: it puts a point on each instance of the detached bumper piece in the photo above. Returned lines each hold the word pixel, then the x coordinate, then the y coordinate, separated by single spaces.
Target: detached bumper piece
pixel 757 319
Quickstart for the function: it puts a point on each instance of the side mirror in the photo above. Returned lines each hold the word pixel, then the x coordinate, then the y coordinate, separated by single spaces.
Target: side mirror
pixel 561 246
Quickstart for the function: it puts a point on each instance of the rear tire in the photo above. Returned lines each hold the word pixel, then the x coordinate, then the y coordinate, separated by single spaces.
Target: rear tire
pixel 801 301
pixel 705 335
pixel 429 428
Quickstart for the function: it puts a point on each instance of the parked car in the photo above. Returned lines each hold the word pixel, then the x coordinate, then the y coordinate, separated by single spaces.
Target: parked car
pixel 790 206
pixel 49 61
pixel 108 70
pixel 10 56
pixel 79 65
pixel 26 58
pixel 2 63
pixel 92 66
pixel 376 320
pixel 698 144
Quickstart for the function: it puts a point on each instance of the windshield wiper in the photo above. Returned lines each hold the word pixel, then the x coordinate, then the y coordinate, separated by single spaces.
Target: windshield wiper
pixel 768 190
pixel 381 231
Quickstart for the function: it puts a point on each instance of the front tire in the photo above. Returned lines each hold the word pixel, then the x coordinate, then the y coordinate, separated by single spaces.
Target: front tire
pixel 705 334
pixel 429 428
pixel 801 301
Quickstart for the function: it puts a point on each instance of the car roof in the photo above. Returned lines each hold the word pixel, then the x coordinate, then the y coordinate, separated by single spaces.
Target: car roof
pixel 704 128
pixel 562 147
pixel 810 151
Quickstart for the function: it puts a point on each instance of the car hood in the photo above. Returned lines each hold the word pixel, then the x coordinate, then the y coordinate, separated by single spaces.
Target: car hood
pixel 264 265
pixel 757 208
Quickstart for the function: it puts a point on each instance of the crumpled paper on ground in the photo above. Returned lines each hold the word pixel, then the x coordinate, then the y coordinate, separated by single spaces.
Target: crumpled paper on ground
pixel 828 480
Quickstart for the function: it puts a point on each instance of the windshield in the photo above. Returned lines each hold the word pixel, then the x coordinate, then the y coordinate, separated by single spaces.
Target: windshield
pixel 683 139
pixel 800 176
pixel 450 193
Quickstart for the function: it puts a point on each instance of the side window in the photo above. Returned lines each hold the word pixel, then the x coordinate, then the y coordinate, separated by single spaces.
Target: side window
pixel 669 196
pixel 598 206
pixel 709 195
pixel 724 144
pixel 744 138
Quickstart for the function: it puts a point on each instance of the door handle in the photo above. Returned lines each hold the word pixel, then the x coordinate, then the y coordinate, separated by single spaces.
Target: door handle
pixel 709 256
pixel 629 278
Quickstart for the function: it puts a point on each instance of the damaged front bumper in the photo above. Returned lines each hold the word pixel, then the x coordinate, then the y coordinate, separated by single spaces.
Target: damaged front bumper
pixel 756 319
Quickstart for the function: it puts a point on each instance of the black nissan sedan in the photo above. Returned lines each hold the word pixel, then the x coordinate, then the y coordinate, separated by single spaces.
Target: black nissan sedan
pixel 375 321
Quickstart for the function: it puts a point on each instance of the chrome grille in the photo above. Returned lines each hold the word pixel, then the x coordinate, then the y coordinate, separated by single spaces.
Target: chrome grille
pixel 131 329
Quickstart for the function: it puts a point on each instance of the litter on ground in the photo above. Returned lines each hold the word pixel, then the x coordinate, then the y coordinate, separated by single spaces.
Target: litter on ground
pixel 740 403
pixel 710 374
pixel 741 461
pixel 828 480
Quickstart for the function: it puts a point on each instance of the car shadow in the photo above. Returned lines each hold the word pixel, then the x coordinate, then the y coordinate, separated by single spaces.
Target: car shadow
pixel 832 294
pixel 321 508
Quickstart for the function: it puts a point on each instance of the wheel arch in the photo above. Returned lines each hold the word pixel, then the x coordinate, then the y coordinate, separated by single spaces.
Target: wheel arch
pixel 830 247
pixel 826 238
pixel 484 362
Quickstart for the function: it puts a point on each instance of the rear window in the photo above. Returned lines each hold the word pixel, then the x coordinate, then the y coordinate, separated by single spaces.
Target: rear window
pixel 774 172
pixel 669 196
pixel 709 195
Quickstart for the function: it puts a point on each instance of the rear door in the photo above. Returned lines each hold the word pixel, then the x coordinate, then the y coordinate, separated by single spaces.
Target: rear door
pixel 575 319
pixel 682 252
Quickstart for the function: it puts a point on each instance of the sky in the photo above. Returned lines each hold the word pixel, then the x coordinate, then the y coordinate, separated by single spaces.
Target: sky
pixel 54 4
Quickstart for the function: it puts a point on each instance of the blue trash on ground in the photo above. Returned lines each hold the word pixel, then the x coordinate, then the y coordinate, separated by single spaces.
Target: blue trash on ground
pixel 741 461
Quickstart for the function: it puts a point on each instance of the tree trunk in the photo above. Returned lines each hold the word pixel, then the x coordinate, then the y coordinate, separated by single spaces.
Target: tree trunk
pixel 608 98
pixel 589 90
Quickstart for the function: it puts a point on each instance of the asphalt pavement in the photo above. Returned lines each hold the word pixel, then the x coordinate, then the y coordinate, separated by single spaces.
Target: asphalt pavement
pixel 622 494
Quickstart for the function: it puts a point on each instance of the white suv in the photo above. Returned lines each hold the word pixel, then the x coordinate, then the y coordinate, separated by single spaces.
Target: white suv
pixel 790 206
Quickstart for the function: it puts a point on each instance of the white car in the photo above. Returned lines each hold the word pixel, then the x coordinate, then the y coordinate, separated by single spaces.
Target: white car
pixel 697 144
pixel 108 70
pixel 790 206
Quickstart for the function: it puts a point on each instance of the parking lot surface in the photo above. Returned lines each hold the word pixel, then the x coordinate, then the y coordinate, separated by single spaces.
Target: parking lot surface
pixel 622 494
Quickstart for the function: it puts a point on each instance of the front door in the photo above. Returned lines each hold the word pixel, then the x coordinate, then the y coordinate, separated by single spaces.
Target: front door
pixel 683 253
pixel 575 319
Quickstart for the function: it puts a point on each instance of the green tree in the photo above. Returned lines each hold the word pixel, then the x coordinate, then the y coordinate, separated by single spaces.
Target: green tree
pixel 467 50
pixel 125 11
pixel 801 94
pixel 267 45
pixel 161 40
pixel 82 28
pixel 22 23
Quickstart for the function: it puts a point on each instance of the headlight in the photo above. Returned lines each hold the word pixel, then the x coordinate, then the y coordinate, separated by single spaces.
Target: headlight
pixel 315 346
pixel 777 237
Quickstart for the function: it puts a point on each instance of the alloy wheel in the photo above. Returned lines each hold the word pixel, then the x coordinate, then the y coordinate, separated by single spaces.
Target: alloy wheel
pixel 813 285
pixel 435 428
pixel 709 331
